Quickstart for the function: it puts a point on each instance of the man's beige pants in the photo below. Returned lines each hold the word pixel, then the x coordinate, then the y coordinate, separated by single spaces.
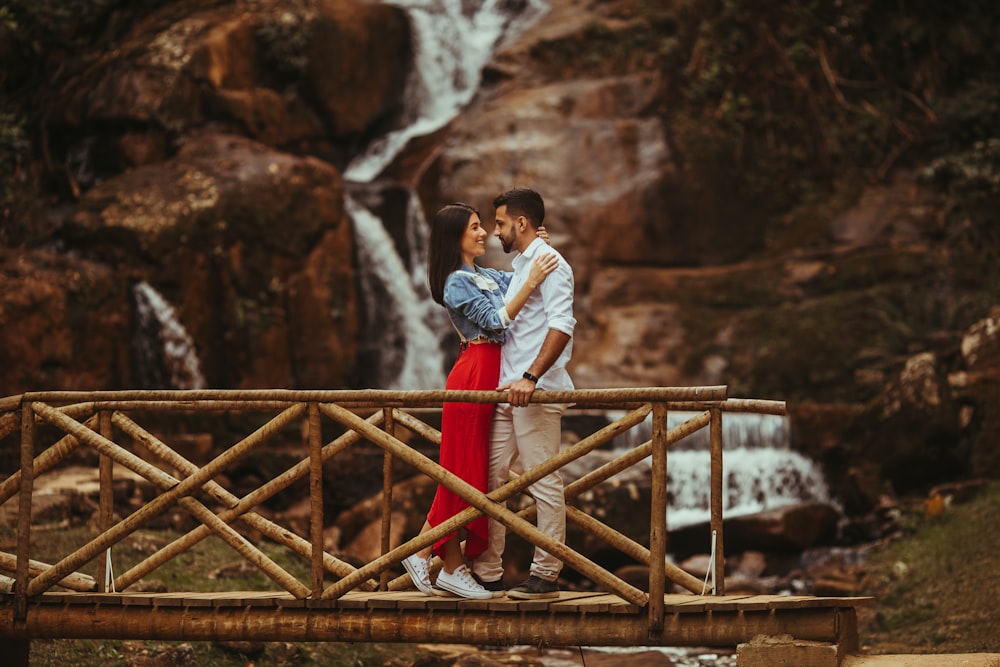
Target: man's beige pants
pixel 523 438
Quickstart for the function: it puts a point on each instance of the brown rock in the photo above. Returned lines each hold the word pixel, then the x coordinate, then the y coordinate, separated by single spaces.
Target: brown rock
pixel 794 528
pixel 258 251
pixel 49 304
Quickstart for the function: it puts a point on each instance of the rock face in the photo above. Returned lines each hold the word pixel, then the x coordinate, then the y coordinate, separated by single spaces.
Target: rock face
pixel 178 147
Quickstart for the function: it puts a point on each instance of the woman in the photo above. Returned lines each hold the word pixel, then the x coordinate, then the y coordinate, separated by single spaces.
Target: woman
pixel 474 298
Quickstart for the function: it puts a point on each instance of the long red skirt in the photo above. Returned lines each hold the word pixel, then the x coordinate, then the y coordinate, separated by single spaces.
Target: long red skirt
pixel 465 442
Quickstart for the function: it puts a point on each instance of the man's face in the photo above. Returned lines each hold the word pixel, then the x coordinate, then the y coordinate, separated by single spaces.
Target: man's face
pixel 505 229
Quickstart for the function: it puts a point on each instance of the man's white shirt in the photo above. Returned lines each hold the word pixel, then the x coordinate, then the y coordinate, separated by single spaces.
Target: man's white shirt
pixel 550 306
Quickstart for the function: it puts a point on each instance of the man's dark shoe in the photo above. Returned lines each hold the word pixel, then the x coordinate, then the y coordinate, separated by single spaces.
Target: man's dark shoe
pixel 534 588
pixel 495 587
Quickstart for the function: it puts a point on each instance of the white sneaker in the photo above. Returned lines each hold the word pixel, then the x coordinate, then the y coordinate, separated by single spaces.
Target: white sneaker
pixel 461 583
pixel 419 570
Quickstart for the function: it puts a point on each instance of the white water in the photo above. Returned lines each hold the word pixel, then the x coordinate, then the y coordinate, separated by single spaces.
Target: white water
pixel 760 470
pixel 162 343
pixel 452 41
pixel 409 356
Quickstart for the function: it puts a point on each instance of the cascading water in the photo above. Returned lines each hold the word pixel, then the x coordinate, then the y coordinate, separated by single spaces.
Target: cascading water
pixel 760 470
pixel 404 351
pixel 164 354
pixel 453 40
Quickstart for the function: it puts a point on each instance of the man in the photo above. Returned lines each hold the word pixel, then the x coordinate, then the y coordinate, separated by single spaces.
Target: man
pixel 534 356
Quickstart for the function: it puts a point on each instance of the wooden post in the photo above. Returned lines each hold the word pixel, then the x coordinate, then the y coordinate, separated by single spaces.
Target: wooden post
pixel 316 498
pixel 658 520
pixel 715 447
pixel 106 512
pixel 24 512
pixel 237 508
pixel 389 426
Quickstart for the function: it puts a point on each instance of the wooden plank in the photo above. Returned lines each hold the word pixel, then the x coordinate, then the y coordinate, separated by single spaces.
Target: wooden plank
pixel 796 602
pixel 442 602
pixel 412 600
pixel 290 603
pixel 756 603
pixel 321 604
pixel 352 600
pixel 390 600
pixel 535 605
pixel 581 603
pixel 167 600
pixel 476 605
pixel 136 600
pixel 612 603
pixel 724 602
pixel 110 599
pixel 48 598
pixel 189 601
pixel 685 603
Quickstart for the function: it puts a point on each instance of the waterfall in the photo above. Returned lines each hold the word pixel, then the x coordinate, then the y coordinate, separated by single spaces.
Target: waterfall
pixel 164 355
pixel 760 470
pixel 453 40
pixel 404 328
pixel 401 348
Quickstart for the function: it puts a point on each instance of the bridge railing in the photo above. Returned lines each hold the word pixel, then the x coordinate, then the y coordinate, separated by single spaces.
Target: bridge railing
pixel 110 423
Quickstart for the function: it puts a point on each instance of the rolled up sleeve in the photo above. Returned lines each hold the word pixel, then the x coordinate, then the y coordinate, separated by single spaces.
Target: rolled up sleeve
pixel 557 295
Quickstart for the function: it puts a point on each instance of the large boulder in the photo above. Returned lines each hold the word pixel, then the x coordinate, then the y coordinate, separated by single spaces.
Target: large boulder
pixel 322 77
pixel 50 305
pixel 252 247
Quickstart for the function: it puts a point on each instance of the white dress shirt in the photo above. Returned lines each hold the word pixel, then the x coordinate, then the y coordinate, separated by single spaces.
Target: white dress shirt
pixel 550 306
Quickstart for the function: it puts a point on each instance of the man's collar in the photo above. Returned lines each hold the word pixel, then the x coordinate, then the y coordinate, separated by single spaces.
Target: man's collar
pixel 533 247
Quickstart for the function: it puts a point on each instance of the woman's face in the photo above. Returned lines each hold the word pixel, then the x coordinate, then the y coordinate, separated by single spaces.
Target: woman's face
pixel 473 241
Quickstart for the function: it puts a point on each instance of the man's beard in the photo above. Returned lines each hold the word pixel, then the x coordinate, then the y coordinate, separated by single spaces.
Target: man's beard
pixel 506 244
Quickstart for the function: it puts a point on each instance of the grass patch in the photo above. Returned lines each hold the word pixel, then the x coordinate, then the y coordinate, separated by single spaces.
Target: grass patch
pixel 937 588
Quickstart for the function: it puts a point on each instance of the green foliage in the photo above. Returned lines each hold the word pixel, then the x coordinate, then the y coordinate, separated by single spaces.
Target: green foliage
pixel 13 142
pixel 7 19
pixel 971 181
pixel 935 586
pixel 777 99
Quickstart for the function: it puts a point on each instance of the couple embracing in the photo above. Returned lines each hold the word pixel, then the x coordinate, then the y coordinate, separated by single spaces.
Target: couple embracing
pixel 516 331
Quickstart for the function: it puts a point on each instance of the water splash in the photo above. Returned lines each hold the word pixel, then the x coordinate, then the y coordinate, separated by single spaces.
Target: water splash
pixel 754 479
pixel 760 469
pixel 164 353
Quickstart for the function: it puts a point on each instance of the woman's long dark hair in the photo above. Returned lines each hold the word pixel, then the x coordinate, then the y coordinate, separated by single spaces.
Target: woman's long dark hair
pixel 445 253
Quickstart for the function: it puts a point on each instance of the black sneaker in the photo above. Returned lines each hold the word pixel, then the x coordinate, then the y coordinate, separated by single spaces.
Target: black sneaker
pixel 534 588
pixel 495 587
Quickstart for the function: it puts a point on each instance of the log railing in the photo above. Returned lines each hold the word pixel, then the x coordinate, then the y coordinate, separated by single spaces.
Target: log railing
pixel 109 422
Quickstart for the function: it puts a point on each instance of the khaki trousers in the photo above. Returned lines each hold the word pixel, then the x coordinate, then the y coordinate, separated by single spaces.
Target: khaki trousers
pixel 522 438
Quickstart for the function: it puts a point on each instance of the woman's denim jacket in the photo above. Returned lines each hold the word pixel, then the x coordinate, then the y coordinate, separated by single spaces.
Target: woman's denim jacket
pixel 475 303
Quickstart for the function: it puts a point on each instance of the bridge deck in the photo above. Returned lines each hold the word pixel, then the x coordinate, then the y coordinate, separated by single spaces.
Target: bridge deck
pixel 572 619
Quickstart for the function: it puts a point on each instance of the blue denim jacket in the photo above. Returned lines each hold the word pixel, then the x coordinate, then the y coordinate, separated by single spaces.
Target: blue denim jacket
pixel 475 302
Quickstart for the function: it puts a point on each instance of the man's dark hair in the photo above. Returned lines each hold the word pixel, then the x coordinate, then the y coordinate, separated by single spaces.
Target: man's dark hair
pixel 523 201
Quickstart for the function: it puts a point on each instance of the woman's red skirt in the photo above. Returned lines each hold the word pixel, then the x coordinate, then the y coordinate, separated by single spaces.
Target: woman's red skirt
pixel 465 441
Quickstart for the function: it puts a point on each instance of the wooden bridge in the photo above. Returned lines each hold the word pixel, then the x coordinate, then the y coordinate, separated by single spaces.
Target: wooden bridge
pixel 77 596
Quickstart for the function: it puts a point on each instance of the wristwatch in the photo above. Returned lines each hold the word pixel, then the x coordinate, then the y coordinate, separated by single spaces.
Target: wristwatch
pixel 529 376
